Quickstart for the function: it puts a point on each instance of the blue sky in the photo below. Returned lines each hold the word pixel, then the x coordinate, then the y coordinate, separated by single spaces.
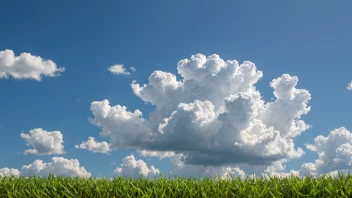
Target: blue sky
pixel 307 39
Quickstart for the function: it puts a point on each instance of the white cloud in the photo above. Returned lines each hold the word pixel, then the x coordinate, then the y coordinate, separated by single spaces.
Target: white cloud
pixel 26 66
pixel 158 154
pixel 118 70
pixel 96 147
pixel 136 168
pixel 44 142
pixel 310 147
pixel 58 166
pixel 336 173
pixel 122 119
pixel 180 169
pixel 285 112
pixel 133 69
pixel 227 172
pixel 214 118
pixel 8 172
pixel 334 153
pixel 349 86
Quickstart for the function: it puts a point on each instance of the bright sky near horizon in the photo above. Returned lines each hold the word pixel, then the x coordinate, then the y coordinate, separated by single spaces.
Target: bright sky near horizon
pixel 175 87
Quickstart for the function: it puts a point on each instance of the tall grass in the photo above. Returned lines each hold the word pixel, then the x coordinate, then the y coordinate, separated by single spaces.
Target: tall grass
pixel 326 186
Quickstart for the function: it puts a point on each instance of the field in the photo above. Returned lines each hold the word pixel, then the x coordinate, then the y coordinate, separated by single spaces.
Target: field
pixel 51 186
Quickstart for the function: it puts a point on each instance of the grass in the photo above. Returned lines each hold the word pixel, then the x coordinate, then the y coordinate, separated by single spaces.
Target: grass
pixel 326 186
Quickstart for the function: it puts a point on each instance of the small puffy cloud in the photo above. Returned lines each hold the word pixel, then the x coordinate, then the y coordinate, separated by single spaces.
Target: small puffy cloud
pixel 118 70
pixel 349 86
pixel 96 147
pixel 58 166
pixel 44 142
pixel 310 147
pixel 26 66
pixel 8 172
pixel 136 168
pixel 334 153
pixel 133 69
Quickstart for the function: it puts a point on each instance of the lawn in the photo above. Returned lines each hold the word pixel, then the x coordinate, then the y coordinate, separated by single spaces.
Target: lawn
pixel 326 186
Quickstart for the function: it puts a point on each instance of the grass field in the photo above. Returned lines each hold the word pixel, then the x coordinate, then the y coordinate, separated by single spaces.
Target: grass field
pixel 51 186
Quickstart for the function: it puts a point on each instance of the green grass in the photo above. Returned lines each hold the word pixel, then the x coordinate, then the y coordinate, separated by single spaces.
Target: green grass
pixel 51 186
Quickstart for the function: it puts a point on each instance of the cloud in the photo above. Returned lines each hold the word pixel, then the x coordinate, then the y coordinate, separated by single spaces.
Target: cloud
pixel 8 172
pixel 180 169
pixel 118 70
pixel 26 66
pixel 136 168
pixel 349 86
pixel 212 121
pixel 119 117
pixel 334 153
pixel 44 142
pixel 96 147
pixel 310 147
pixel 213 116
pixel 58 166
pixel 133 69
pixel 242 171
pixel 159 154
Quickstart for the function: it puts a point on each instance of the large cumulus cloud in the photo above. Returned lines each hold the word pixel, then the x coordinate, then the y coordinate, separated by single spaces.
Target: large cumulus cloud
pixel 213 117
pixel 26 66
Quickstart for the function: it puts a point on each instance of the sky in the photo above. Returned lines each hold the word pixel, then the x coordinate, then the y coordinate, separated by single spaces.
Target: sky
pixel 178 88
